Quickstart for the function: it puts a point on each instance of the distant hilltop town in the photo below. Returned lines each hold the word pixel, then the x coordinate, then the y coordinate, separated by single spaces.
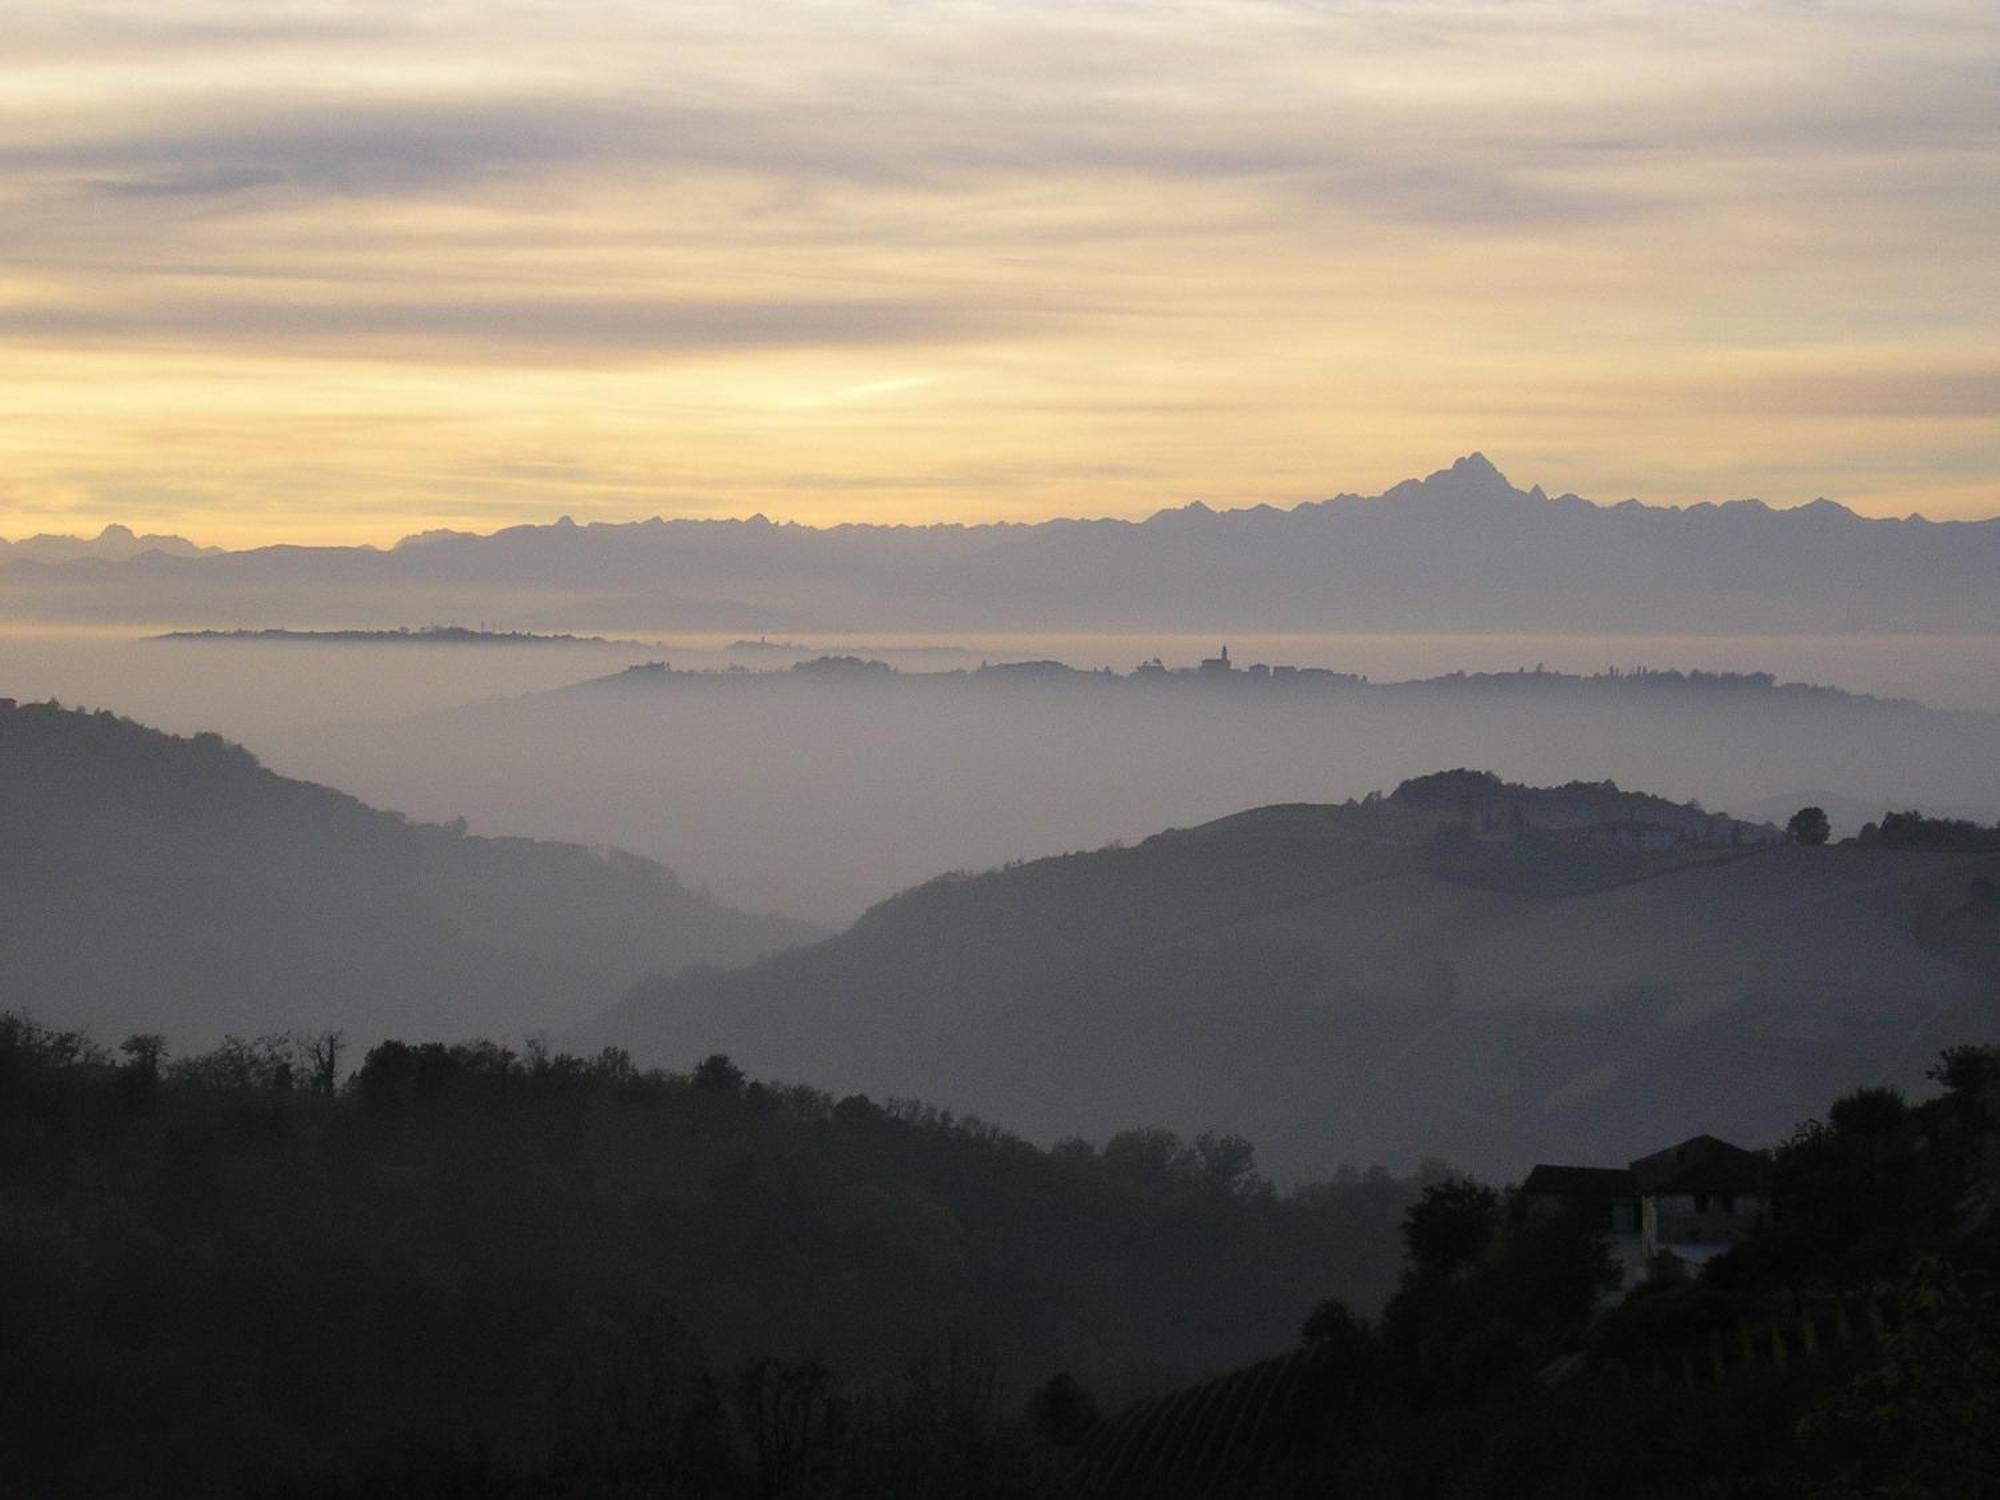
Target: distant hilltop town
pixel 1220 666
pixel 1221 670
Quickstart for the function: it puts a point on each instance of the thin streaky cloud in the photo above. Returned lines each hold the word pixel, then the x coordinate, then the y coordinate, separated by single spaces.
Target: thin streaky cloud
pixel 1242 248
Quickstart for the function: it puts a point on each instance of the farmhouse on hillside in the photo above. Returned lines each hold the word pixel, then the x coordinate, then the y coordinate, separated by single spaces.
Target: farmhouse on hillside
pixel 1689 1202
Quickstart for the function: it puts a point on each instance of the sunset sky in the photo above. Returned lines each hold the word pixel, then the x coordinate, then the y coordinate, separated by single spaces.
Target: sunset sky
pixel 339 272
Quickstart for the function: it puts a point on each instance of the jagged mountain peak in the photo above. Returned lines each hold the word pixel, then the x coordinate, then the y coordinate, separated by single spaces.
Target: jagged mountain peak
pixel 115 542
pixel 1471 482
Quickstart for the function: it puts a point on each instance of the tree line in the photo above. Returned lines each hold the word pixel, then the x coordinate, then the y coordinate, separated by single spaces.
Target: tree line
pixel 471 1269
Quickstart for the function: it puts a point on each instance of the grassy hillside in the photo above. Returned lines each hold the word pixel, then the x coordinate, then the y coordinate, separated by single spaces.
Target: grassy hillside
pixel 1426 972
pixel 159 884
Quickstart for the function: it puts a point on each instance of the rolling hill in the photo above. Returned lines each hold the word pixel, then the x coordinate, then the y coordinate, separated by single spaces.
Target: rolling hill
pixel 824 791
pixel 160 884
pixel 1468 969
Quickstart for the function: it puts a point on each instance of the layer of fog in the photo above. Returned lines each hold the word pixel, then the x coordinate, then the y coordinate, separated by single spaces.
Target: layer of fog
pixel 819 799
pixel 245 687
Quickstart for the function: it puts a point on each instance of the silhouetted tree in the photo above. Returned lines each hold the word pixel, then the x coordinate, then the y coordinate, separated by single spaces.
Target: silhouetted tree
pixel 789 1411
pixel 1449 1226
pixel 1228 1162
pixel 144 1051
pixel 1871 1111
pixel 718 1074
pixel 1912 830
pixel 1810 826
pixel 323 1060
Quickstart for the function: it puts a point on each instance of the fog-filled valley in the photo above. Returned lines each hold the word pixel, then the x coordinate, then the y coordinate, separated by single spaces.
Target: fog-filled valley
pixel 816 795
pixel 819 793
pixel 903 1062
pixel 173 887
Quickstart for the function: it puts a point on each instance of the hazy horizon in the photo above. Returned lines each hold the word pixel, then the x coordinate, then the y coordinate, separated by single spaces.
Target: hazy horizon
pixel 131 539
pixel 391 541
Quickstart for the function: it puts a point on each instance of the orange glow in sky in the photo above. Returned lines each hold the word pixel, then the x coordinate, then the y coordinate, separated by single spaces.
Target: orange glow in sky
pixel 341 272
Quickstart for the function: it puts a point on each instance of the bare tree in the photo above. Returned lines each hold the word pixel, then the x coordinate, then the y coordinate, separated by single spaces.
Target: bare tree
pixel 323 1058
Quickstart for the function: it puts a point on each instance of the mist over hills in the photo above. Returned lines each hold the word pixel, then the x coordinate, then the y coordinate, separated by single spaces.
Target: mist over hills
pixel 1470 969
pixel 1460 550
pixel 821 792
pixel 150 883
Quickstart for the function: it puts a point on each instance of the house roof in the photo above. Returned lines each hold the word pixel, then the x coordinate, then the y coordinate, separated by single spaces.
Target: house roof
pixel 1585 1184
pixel 1700 1164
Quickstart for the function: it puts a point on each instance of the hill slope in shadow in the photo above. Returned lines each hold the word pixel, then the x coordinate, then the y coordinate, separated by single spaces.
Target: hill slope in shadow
pixel 161 884
pixel 1487 973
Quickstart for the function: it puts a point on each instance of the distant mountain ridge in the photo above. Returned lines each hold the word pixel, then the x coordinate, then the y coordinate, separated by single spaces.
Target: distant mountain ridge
pixel 159 884
pixel 114 543
pixel 1492 973
pixel 1460 550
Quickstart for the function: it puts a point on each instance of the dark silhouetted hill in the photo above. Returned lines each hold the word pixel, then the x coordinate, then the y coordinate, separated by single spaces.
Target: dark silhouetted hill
pixel 1494 974
pixel 159 884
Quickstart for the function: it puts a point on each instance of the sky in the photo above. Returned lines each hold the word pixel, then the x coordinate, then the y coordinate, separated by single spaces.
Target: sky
pixel 280 270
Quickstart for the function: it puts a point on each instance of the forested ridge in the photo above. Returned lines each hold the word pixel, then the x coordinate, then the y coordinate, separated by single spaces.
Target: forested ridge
pixel 465 1270
pixel 469 1272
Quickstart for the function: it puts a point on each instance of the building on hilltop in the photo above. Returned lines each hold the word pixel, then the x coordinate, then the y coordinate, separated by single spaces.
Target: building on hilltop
pixel 1622 833
pixel 1217 666
pixel 1689 1202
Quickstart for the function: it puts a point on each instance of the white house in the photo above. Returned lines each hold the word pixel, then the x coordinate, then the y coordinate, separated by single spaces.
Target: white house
pixel 1690 1201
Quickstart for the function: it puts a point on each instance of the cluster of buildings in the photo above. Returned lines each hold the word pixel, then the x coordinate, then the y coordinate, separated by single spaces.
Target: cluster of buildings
pixel 1676 1209
pixel 1679 827
pixel 1219 668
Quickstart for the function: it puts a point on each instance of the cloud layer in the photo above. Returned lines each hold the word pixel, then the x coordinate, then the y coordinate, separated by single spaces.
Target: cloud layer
pixel 340 271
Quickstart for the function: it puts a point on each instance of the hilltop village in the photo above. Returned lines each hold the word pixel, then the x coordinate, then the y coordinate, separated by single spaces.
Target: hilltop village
pixel 1221 671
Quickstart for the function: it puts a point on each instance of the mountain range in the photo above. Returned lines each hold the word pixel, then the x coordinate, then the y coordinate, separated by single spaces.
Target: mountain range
pixel 114 543
pixel 1461 550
